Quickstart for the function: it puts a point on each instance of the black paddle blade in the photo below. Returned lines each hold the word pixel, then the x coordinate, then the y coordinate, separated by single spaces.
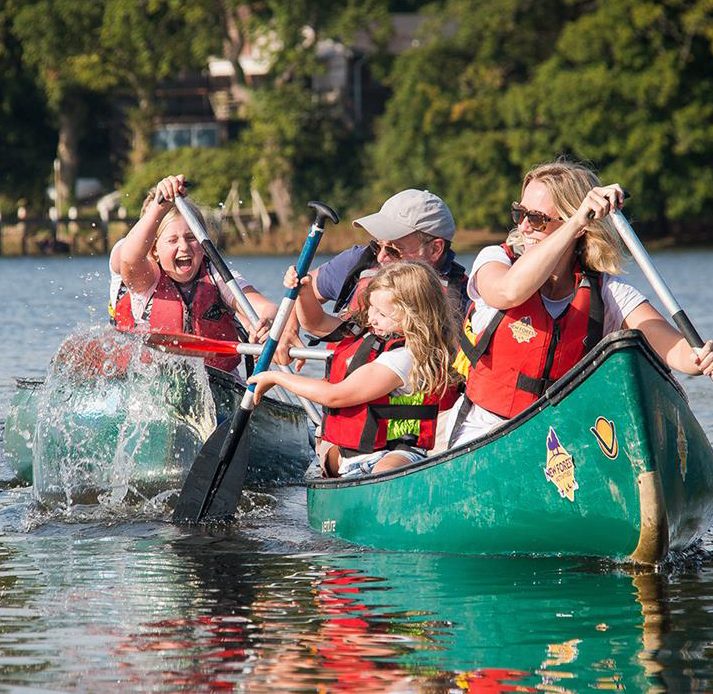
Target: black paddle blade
pixel 220 465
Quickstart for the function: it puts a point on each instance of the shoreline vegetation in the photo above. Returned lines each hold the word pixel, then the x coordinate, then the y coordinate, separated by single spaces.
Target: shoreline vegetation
pixel 72 239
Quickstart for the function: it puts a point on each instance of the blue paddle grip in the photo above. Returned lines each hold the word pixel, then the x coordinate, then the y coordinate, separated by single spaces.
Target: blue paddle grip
pixel 303 264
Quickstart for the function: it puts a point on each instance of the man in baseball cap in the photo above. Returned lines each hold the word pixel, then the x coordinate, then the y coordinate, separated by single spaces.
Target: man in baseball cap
pixel 411 225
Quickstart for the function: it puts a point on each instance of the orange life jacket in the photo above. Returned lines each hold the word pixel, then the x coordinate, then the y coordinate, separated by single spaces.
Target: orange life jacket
pixel 524 350
pixel 206 314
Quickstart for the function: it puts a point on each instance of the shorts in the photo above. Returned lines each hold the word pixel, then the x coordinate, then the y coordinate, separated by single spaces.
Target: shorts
pixel 364 464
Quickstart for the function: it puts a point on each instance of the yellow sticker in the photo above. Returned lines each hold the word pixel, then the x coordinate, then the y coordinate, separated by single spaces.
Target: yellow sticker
pixel 560 467
pixel 605 433
pixel 522 330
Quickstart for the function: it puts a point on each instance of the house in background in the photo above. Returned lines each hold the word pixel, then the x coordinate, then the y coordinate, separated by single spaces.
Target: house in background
pixel 206 110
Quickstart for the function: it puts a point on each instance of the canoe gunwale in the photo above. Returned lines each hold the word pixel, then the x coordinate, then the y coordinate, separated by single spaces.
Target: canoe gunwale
pixel 614 342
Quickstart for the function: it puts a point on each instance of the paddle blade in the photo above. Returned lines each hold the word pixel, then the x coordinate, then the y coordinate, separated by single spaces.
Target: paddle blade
pixel 191 345
pixel 220 466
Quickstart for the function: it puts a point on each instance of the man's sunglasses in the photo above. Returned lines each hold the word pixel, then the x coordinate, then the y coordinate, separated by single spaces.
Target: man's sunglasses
pixel 396 253
pixel 538 220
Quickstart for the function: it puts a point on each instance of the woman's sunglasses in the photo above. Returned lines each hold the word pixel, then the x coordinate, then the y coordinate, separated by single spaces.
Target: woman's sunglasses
pixel 538 220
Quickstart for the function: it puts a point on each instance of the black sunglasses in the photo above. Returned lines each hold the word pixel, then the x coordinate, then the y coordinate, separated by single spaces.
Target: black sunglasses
pixel 538 220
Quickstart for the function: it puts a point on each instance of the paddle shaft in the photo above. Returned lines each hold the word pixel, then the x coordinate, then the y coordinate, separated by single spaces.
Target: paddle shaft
pixel 242 414
pixel 243 302
pixel 181 343
pixel 638 252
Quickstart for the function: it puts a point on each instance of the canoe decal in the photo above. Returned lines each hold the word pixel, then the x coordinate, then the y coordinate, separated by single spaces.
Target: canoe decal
pixel 559 468
pixel 522 330
pixel 329 526
pixel 605 433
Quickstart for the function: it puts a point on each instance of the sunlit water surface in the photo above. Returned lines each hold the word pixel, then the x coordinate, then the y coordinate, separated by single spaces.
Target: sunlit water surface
pixel 98 601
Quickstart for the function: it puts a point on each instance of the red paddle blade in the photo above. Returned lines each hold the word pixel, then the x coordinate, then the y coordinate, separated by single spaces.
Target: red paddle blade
pixel 191 345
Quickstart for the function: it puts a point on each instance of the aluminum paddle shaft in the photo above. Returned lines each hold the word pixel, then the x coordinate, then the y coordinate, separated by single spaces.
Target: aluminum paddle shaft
pixel 638 252
pixel 243 302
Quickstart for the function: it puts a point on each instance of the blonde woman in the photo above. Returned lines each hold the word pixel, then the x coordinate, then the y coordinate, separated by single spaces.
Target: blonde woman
pixel 549 294
pixel 167 282
pixel 391 366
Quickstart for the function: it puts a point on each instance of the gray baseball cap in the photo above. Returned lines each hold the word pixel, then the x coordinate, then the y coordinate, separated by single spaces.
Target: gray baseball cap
pixel 409 211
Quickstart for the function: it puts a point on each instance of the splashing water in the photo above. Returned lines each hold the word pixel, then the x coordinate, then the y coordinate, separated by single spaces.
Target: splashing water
pixel 117 422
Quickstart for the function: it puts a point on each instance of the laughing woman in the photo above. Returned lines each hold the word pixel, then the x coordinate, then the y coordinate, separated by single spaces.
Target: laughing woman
pixel 168 284
pixel 545 297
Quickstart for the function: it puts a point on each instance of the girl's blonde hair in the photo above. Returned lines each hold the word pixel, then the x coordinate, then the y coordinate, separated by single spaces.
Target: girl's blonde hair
pixel 568 183
pixel 172 213
pixel 427 321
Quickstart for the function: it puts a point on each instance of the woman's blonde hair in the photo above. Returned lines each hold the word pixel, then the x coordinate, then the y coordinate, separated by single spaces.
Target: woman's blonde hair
pixel 568 183
pixel 427 320
pixel 172 213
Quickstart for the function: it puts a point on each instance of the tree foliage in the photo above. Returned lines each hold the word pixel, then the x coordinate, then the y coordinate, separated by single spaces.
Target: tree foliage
pixel 623 84
pixel 486 90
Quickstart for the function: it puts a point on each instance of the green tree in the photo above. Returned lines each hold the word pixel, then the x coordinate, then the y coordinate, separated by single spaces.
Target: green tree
pixel 630 88
pixel 145 43
pixel 28 142
pixel 445 126
pixel 289 129
pixel 59 42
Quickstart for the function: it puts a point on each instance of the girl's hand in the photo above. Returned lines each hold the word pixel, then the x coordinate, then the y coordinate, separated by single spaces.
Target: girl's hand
pixel 263 382
pixel 703 359
pixel 598 203
pixel 167 189
pixel 290 279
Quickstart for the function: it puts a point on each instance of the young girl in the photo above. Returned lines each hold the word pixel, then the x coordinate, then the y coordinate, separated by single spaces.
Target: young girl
pixel 167 282
pixel 389 369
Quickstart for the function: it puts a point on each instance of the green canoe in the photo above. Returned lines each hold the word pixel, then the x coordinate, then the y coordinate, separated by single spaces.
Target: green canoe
pixel 610 462
pixel 129 427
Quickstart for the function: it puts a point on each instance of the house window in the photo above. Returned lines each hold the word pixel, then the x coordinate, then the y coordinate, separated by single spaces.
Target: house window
pixel 173 135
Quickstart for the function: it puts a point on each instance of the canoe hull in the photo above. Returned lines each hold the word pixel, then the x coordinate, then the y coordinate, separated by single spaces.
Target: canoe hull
pixel 137 437
pixel 611 462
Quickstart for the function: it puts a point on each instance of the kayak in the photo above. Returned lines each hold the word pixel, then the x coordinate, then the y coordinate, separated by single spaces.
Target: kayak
pixel 610 462
pixel 116 421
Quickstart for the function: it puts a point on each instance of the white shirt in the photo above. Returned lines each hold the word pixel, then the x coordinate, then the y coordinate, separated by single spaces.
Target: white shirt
pixel 619 299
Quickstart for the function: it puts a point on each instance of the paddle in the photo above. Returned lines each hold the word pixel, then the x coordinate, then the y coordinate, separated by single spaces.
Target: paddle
pixel 200 346
pixel 212 252
pixel 215 481
pixel 643 259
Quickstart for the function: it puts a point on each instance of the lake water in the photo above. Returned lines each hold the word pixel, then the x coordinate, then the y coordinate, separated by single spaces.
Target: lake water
pixel 137 604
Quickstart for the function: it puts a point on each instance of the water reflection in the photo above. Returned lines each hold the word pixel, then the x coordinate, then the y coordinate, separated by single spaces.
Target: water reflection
pixel 166 611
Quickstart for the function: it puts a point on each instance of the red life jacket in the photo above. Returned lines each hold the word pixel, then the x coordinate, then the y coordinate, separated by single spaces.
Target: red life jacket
pixel 452 392
pixel 167 310
pixel 524 350
pixel 365 428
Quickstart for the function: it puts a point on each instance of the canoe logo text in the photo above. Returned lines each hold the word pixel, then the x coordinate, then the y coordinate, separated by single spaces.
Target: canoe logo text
pixel 522 330
pixel 329 526
pixel 559 468
pixel 605 433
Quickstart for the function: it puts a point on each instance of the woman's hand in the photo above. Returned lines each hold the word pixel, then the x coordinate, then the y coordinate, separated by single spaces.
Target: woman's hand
pixel 703 359
pixel 171 187
pixel 263 382
pixel 258 333
pixel 598 203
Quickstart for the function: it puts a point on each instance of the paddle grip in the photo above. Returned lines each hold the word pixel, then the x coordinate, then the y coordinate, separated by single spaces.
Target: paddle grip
pixel 683 323
pixel 322 213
